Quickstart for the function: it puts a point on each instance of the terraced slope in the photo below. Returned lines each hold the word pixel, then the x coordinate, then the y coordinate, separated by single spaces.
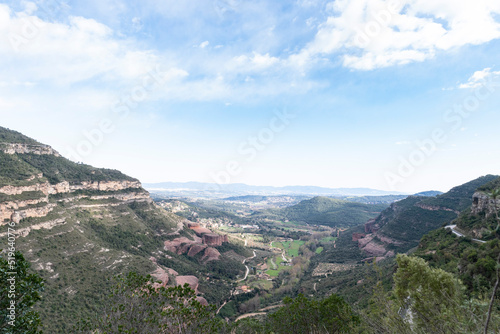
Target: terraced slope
pixel 78 226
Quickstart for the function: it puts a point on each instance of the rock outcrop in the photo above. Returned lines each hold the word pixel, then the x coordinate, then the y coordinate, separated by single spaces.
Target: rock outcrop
pixel 435 208
pixel 176 245
pixel 192 247
pixel 211 254
pixel 481 202
pixel 212 239
pixel 357 236
pixel 65 187
pixel 16 148
pixel 371 226
pixel 199 230
pixel 192 281
pixel 40 207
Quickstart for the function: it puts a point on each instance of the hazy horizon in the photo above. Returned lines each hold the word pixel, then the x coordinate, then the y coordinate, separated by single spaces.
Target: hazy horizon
pixel 396 96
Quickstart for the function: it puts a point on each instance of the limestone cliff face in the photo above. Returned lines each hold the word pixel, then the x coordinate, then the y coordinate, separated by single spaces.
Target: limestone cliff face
pixel 481 202
pixel 65 187
pixel 435 208
pixel 37 208
pixel 16 148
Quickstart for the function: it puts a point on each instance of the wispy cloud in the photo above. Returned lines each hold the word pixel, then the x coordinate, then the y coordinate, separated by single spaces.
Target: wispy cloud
pixel 479 78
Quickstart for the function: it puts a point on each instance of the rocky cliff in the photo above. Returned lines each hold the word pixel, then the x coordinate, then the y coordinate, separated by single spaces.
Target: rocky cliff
pixel 78 225
pixel 482 202
pixel 204 240
pixel 20 148
pixel 41 206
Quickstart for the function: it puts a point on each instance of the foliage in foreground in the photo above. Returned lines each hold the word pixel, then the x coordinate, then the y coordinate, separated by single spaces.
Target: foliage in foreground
pixel 302 315
pixel 425 300
pixel 137 306
pixel 18 317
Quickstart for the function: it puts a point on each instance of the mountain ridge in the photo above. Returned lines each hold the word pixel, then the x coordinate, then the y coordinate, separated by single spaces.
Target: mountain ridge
pixel 241 189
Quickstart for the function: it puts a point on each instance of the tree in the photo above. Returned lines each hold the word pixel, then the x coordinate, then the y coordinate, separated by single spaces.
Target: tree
pixel 303 315
pixel 19 291
pixel 495 193
pixel 136 305
pixel 430 300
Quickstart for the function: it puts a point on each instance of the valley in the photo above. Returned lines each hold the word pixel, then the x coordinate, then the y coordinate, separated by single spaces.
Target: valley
pixel 81 227
pixel 281 251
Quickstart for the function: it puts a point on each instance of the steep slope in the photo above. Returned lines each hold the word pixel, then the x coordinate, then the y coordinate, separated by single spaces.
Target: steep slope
pixel 473 261
pixel 78 226
pixel 325 211
pixel 400 227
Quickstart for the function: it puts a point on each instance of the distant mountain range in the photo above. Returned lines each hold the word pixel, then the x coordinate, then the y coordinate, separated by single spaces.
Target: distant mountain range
pixel 214 190
pixel 325 211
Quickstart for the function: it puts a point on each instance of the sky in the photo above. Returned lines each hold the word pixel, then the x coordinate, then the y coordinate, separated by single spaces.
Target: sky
pixel 399 95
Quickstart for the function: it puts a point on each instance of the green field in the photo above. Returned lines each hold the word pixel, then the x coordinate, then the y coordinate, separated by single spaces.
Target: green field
pixel 319 250
pixel 273 273
pixel 328 239
pixel 263 284
pixel 277 244
pixel 291 248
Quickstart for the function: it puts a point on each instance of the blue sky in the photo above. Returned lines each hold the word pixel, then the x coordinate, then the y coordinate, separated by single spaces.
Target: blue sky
pixel 396 95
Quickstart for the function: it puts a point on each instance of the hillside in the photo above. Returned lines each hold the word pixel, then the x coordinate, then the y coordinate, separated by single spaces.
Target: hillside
pixel 408 220
pixel 79 225
pixel 325 211
pixel 400 227
pixel 471 260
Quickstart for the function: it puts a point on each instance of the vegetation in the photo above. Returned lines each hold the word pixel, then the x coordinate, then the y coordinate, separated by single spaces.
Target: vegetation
pixel 14 170
pixel 424 300
pixel 493 184
pixel 11 136
pixel 58 169
pixel 385 199
pixel 18 293
pixel 325 211
pixel 302 315
pixel 135 305
pixel 460 198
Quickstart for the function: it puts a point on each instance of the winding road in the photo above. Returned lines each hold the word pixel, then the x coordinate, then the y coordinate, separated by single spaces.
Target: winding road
pixel 461 235
pixel 274 264
pixel 248 269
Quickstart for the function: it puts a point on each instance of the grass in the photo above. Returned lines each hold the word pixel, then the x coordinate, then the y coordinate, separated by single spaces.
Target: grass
pixel 273 273
pixel 277 244
pixel 328 239
pixel 319 250
pixel 291 248
pixel 294 248
pixel 263 284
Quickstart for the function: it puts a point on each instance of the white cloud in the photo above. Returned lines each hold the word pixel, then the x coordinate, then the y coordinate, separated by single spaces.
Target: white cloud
pixel 370 34
pixel 479 78
pixel 82 49
pixel 256 62
pixel 80 52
